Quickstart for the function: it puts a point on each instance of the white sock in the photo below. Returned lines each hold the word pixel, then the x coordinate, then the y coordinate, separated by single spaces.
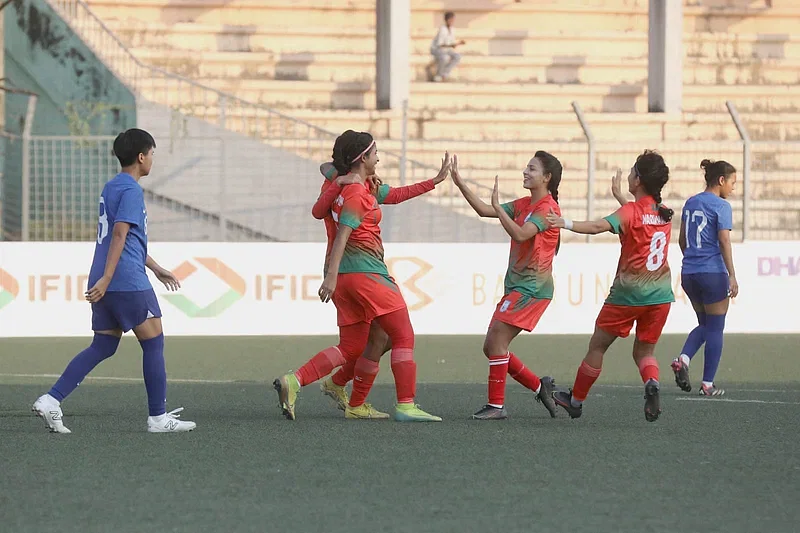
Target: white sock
pixel 685 359
pixel 575 403
pixel 496 406
pixel 538 388
pixel 159 418
pixel 708 384
pixel 50 398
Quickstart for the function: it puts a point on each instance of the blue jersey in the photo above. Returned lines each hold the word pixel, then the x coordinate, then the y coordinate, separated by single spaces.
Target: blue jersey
pixel 704 215
pixel 122 200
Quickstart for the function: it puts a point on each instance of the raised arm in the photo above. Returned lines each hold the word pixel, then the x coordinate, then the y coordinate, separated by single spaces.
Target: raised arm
pixel 518 233
pixel 396 195
pixel 616 187
pixel 482 208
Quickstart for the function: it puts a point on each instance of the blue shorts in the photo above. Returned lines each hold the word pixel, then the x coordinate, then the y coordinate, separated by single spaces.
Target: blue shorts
pixel 124 310
pixel 706 287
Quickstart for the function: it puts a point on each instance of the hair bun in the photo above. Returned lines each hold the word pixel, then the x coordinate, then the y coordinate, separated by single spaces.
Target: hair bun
pixel 705 163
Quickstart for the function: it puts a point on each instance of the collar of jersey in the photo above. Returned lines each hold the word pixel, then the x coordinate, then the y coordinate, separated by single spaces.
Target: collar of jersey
pixel 126 176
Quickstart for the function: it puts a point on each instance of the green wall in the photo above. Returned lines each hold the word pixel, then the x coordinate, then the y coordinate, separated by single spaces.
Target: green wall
pixel 77 95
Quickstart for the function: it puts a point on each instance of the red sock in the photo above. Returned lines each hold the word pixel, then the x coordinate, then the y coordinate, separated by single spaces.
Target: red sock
pixel 586 377
pixel 523 374
pixel 404 369
pixel 498 369
pixel 648 368
pixel 345 373
pixel 365 373
pixel 319 366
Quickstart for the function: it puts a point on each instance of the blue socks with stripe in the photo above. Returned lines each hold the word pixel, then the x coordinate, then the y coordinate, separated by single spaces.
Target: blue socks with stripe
pixel 155 374
pixel 101 348
pixel 696 338
pixel 715 326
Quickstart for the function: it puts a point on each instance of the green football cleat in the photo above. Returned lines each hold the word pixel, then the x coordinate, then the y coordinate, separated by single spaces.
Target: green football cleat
pixel 336 393
pixel 287 387
pixel 409 412
pixel 364 412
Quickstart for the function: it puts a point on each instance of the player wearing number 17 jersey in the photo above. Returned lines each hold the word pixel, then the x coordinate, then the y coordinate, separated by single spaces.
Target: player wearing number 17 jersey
pixel 707 276
pixel 120 292
pixel 642 289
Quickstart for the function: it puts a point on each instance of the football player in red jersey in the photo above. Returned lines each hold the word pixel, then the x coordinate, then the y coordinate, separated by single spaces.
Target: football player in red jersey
pixel 642 289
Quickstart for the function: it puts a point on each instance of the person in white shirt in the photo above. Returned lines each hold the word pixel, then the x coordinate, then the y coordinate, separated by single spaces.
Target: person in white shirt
pixel 443 48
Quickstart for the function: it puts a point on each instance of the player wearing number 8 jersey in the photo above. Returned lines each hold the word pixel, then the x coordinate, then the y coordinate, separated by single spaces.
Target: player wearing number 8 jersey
pixel 707 275
pixel 121 295
pixel 642 289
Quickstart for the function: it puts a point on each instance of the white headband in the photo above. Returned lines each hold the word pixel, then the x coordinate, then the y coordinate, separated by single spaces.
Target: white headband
pixel 367 149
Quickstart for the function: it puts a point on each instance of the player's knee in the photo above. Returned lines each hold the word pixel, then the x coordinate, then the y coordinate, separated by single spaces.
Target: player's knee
pixel 403 340
pixel 601 340
pixel 398 326
pixel 351 350
pixel 106 345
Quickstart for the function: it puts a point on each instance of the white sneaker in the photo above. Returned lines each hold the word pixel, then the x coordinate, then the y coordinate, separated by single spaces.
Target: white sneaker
pixel 49 409
pixel 169 423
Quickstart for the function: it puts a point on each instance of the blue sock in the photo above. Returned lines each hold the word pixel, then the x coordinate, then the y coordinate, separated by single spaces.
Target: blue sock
pixel 715 325
pixel 102 347
pixel 696 338
pixel 155 374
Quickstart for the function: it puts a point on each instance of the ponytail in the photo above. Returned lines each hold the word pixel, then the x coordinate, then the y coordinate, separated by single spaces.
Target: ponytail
pixel 663 211
pixel 653 174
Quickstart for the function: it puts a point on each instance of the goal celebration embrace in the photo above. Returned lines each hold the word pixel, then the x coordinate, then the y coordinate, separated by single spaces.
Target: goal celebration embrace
pixel 371 311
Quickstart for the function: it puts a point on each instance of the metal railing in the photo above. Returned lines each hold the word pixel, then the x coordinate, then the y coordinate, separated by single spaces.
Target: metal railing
pixel 222 205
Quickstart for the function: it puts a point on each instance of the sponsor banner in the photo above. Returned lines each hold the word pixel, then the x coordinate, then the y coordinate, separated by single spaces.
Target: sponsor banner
pixel 271 288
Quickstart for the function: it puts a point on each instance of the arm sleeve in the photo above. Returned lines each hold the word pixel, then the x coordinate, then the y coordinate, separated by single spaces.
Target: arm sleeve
pixel 537 219
pixel 355 208
pixel 620 219
pixel 397 195
pixel 508 208
pixel 323 204
pixel 130 207
pixel 725 217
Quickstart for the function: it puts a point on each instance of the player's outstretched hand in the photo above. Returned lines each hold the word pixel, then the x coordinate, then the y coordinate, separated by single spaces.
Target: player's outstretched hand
pixel 496 194
pixel 327 288
pixel 553 220
pixel 442 175
pixel 96 293
pixel 733 290
pixel 454 175
pixel 168 279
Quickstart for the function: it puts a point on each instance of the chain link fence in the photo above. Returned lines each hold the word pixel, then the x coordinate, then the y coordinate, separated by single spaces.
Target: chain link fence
pixel 230 170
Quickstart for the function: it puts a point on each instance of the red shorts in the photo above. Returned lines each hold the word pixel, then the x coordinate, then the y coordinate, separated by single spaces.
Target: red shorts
pixel 518 310
pixel 360 297
pixel 618 320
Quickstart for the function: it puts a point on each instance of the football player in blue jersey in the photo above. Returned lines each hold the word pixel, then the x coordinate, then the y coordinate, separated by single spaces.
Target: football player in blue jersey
pixel 120 292
pixel 708 277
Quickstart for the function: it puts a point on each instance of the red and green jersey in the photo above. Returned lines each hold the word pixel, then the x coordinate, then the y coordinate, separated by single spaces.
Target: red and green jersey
pixel 385 195
pixel 358 208
pixel 530 263
pixel 643 276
